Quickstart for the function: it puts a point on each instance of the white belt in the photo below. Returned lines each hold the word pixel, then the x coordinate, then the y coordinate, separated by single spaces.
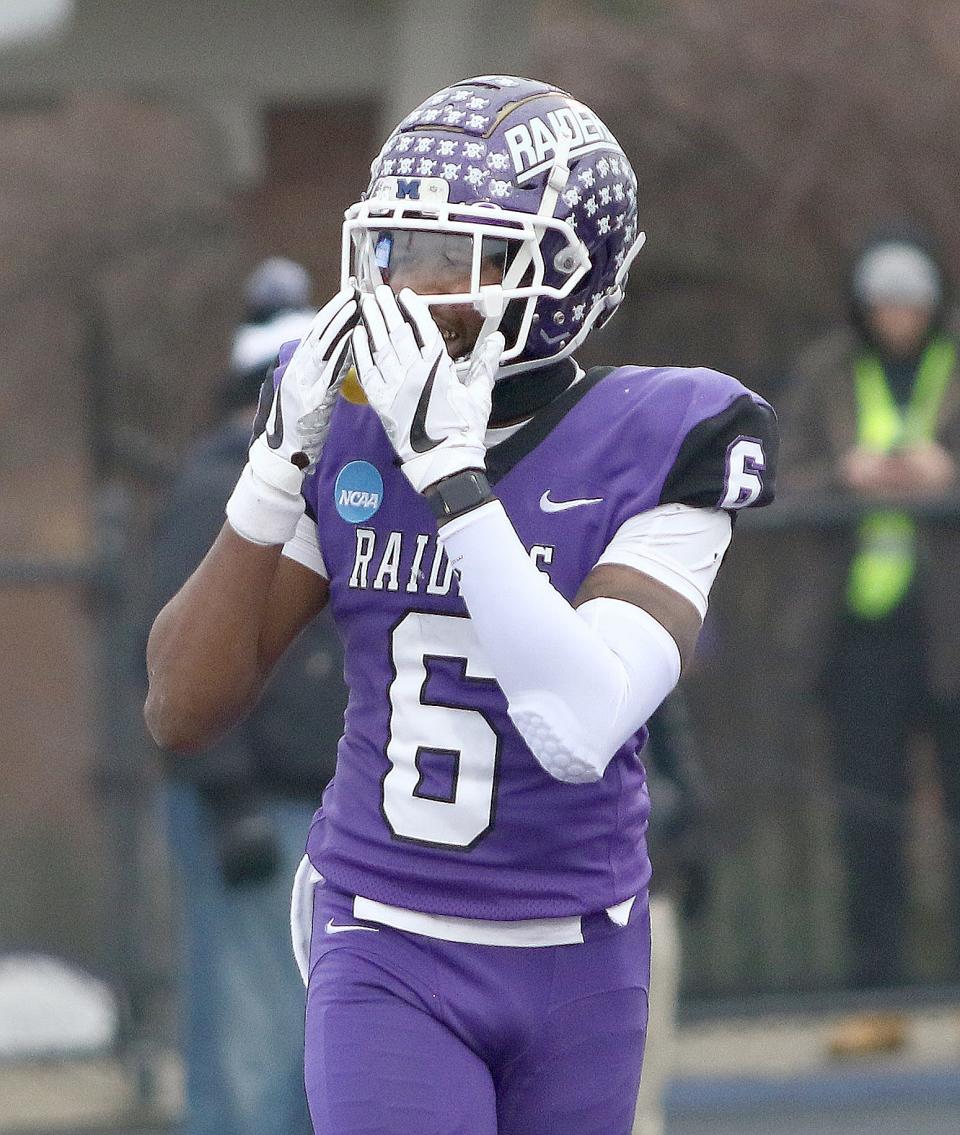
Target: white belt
pixel 484 931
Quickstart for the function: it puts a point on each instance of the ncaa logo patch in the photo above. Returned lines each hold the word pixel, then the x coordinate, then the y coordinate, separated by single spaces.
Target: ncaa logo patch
pixel 358 491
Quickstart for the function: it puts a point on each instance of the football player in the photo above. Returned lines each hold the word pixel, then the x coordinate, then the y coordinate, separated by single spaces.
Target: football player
pixel 518 556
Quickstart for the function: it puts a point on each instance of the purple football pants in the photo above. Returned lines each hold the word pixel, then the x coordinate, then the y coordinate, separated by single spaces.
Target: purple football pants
pixel 408 1035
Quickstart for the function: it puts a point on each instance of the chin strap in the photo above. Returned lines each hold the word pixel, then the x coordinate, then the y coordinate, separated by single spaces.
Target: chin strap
pixel 615 297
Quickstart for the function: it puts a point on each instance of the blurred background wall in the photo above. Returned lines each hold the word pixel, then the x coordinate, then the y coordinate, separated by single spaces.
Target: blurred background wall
pixel 152 151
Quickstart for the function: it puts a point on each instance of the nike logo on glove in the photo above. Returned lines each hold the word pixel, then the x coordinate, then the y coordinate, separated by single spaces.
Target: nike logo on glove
pixel 333 928
pixel 559 506
pixel 420 440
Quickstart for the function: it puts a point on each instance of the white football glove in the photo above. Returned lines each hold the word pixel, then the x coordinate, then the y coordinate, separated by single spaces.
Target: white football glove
pixel 435 420
pixel 291 426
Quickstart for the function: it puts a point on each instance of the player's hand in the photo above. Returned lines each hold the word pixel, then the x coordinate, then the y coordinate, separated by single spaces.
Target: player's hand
pixel 291 427
pixel 435 420
pixel 293 417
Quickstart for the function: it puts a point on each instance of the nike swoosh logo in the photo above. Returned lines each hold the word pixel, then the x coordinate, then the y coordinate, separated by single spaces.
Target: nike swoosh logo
pixel 333 928
pixel 559 506
pixel 420 440
pixel 275 436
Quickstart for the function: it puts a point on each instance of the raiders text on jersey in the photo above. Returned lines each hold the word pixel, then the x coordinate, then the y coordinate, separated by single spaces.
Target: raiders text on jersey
pixel 393 561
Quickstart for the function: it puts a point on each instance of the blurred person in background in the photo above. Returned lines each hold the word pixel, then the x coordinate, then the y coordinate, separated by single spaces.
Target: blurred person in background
pixel 238 815
pixel 873 413
pixel 677 838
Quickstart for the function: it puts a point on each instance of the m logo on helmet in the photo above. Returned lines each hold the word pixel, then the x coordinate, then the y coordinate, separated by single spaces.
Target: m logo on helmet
pixel 427 191
pixel 408 188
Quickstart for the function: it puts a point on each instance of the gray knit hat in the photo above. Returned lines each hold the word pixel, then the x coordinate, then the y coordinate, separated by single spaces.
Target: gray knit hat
pixel 897 272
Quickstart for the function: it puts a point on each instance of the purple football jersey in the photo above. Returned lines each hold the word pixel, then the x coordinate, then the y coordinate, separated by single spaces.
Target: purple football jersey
pixel 437 804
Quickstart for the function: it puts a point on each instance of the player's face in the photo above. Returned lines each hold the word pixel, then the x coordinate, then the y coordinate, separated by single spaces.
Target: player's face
pixel 439 263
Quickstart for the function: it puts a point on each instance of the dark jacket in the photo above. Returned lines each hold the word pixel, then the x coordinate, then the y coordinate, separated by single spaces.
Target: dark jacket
pixel 679 838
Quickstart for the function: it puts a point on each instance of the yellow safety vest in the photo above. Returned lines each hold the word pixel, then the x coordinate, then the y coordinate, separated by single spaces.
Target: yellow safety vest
pixel 885 563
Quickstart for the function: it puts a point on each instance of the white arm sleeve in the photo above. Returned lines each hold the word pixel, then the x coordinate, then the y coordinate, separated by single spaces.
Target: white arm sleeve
pixel 579 682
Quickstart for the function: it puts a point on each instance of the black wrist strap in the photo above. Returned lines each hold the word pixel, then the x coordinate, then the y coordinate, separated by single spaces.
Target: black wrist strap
pixel 463 492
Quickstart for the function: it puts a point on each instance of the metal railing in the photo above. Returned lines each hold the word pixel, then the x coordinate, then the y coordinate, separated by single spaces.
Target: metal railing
pixel 775 937
pixel 122 787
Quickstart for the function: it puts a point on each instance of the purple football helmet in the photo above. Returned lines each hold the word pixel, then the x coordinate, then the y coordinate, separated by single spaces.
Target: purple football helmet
pixel 516 173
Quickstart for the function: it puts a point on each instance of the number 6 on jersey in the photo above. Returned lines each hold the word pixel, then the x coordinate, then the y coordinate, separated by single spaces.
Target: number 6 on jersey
pixel 417 726
pixel 744 468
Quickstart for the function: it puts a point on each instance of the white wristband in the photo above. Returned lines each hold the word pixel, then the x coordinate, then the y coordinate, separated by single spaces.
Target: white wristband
pixel 261 512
